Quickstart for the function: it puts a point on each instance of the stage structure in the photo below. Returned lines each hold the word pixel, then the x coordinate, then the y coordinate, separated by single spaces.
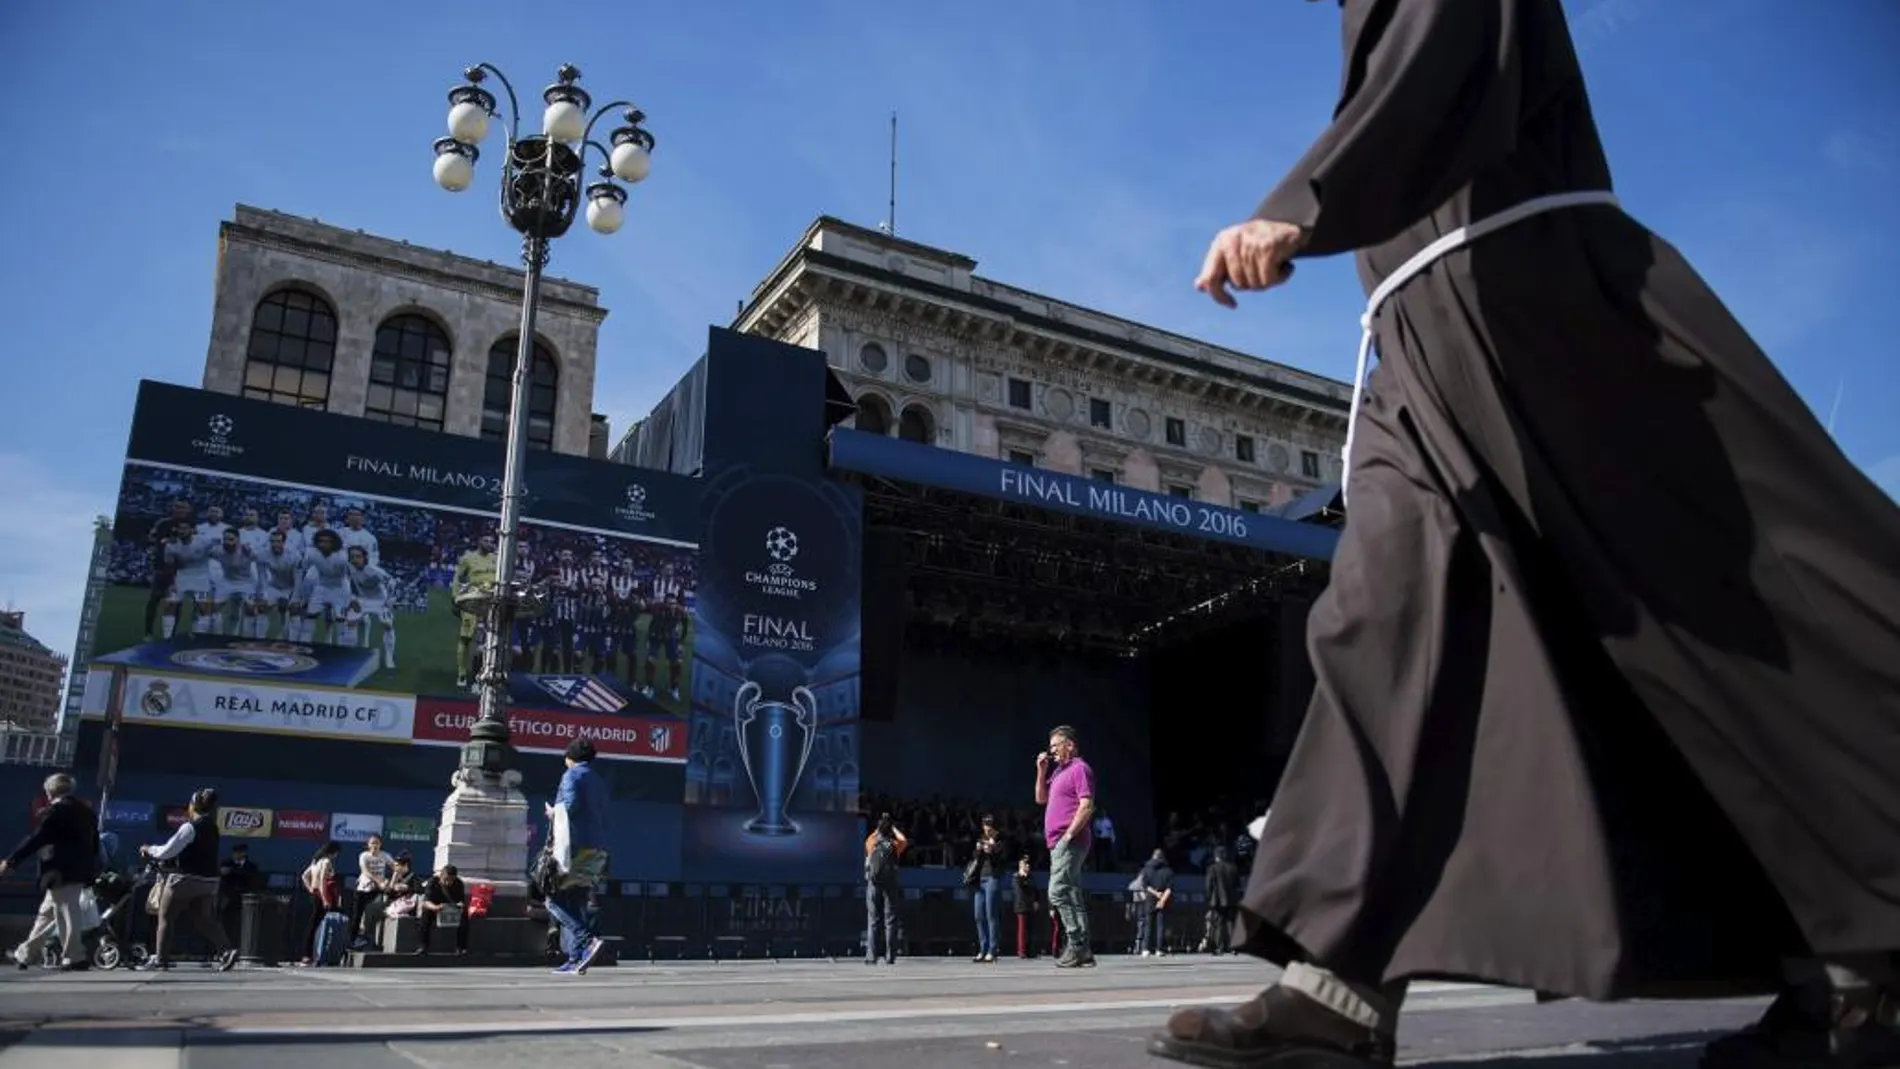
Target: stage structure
pixel 1043 480
pixel 708 629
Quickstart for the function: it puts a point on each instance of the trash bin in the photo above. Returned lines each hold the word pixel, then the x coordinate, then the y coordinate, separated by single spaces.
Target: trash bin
pixel 263 937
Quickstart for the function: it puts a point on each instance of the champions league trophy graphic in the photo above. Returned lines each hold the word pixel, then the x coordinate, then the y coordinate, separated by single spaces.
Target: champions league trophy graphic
pixel 774 743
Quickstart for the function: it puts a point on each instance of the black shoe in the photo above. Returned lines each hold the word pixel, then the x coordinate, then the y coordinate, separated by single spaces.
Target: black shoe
pixel 226 961
pixel 1854 1029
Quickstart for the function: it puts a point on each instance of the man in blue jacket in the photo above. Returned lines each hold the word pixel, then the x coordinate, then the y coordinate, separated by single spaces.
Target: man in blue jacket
pixel 578 830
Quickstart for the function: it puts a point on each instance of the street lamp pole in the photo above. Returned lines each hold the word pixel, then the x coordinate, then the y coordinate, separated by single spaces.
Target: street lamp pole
pixel 541 191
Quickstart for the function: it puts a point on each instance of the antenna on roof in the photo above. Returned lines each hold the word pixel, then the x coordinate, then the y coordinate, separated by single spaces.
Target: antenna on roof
pixel 890 221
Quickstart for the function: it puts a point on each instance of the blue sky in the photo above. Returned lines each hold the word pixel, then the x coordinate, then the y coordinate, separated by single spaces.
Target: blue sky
pixel 1082 148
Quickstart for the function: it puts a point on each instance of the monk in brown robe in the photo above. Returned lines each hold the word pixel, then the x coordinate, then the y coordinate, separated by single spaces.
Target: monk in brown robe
pixel 1608 672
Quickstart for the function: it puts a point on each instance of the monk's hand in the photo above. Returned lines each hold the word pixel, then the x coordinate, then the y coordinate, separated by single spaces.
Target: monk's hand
pixel 1254 255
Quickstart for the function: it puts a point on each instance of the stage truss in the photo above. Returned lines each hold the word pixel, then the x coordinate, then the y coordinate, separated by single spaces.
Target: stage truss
pixel 986 570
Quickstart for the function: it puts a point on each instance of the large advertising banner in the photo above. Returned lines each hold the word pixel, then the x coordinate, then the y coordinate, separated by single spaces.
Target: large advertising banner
pixel 280 571
pixel 772 768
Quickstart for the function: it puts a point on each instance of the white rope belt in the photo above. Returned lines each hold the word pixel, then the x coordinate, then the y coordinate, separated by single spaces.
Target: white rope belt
pixel 1423 259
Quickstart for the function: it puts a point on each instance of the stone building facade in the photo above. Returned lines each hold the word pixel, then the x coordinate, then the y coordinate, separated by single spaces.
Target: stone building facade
pixel 935 353
pixel 319 316
pixel 30 676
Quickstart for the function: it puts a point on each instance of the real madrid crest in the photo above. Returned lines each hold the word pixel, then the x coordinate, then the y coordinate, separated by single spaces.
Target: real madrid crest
pixel 250 658
pixel 157 699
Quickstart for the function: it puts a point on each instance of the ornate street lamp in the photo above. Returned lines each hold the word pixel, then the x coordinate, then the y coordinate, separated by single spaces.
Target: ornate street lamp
pixel 541 190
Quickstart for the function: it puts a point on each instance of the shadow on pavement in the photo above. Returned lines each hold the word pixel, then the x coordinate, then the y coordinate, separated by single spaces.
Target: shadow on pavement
pixel 1676 1051
pixel 203 1034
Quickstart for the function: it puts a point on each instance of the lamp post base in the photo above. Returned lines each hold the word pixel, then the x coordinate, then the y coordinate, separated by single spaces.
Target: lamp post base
pixel 485 833
pixel 484 830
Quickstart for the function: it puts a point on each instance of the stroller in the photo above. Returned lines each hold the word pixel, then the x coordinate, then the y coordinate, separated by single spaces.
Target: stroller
pixel 120 900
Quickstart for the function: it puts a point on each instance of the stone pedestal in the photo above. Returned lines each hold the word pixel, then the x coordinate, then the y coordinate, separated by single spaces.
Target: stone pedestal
pixel 484 832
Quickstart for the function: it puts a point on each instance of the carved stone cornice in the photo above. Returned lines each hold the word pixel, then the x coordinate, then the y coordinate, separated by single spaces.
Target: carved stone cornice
pixel 1174 470
pixel 887 326
pixel 1105 453
pixel 434 278
pixel 1020 435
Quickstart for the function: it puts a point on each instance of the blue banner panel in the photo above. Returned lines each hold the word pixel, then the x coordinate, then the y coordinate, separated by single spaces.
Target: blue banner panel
pixel 194 430
pixel 894 458
pixel 765 405
pixel 772 768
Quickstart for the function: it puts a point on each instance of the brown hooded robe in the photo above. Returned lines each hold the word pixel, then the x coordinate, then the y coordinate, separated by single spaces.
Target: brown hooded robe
pixel 1608 672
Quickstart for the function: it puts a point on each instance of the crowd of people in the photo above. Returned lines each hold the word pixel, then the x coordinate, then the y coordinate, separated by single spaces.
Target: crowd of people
pixel 943 833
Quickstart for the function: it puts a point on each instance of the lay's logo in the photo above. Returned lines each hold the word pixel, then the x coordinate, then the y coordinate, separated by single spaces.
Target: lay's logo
pixel 244 823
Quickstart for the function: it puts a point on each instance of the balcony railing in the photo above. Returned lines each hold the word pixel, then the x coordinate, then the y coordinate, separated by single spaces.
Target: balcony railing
pixel 41 749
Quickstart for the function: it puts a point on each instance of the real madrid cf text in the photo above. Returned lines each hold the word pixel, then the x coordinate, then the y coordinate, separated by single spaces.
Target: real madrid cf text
pixel 339 711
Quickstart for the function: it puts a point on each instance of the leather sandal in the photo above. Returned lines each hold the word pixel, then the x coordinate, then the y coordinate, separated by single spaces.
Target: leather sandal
pixel 1816 1028
pixel 1280 1027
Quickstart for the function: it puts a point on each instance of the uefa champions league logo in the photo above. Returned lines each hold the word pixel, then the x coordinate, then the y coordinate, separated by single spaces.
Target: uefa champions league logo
pixel 779 579
pixel 218 441
pixel 635 510
pixel 781 544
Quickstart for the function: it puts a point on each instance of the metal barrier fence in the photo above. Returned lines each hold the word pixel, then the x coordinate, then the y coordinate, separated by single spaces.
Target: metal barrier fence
pixel 667 921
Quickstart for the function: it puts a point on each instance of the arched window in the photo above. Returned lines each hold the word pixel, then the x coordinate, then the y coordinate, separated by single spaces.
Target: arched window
pixel 409 373
pixel 292 347
pixel 917 426
pixel 874 416
pixel 544 378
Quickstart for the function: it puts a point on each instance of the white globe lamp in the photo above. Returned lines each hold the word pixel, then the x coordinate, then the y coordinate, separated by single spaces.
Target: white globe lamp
pixel 468 122
pixel 631 161
pixel 606 208
pixel 563 121
pixel 454 165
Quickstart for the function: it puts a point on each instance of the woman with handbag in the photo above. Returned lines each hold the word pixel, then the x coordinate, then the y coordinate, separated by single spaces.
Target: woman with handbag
pixel 981 876
pixel 325 887
pixel 189 892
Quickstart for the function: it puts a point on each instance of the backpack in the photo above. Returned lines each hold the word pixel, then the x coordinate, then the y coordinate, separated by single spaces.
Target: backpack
pixel 880 865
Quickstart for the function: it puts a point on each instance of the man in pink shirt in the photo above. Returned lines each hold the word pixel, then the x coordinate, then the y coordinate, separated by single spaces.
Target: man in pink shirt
pixel 1066 785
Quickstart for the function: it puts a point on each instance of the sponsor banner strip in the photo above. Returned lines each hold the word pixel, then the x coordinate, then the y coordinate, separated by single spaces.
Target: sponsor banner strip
pixel 616 737
pixel 229 705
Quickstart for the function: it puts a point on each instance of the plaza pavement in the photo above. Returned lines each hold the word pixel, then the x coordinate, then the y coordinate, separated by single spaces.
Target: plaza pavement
pixel 918 1014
